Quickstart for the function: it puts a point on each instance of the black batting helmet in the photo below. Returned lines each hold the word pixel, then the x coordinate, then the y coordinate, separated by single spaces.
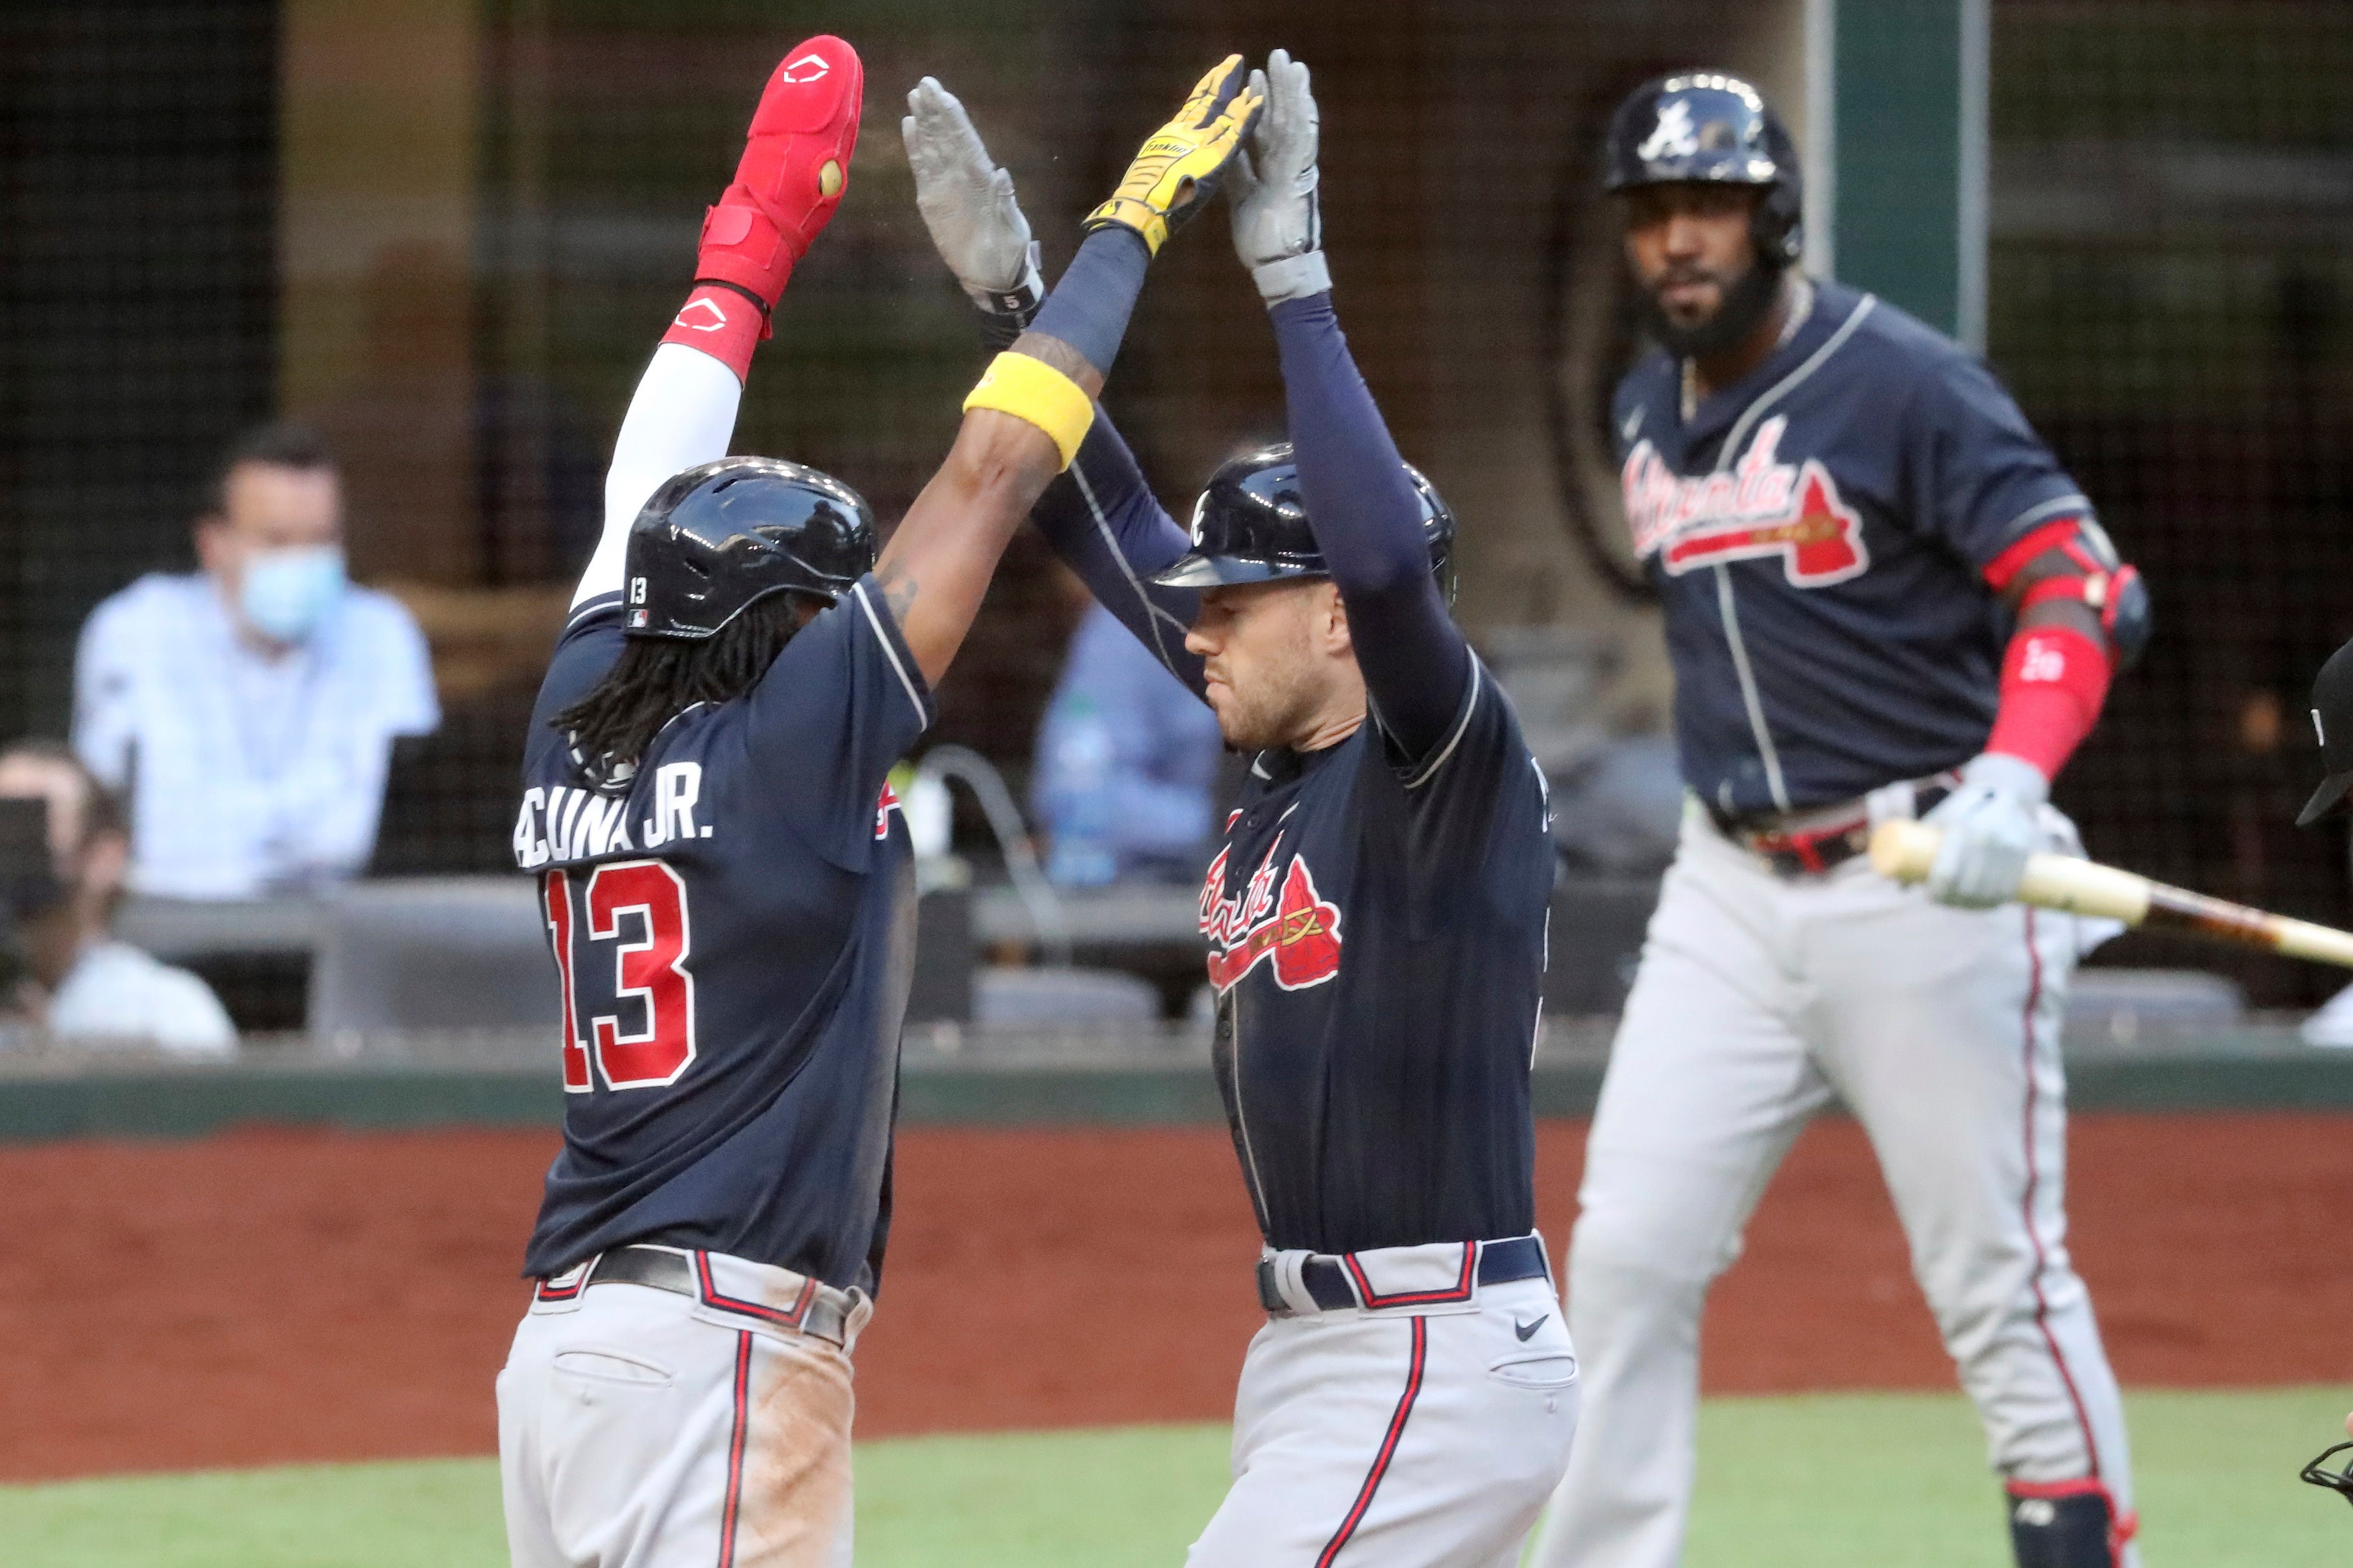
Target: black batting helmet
pixel 1708 128
pixel 1250 525
pixel 725 534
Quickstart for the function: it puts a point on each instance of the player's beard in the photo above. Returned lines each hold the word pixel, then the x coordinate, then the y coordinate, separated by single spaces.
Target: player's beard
pixel 1745 301
pixel 1272 704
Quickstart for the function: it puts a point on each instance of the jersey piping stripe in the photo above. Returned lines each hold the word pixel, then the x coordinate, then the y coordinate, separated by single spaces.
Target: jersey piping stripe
pixel 1388 1447
pixel 1788 382
pixel 891 652
pixel 1461 727
pixel 2034 1181
pixel 1153 615
pixel 596 603
pixel 735 1443
pixel 1750 698
pixel 1458 1291
pixel 787 1318
pixel 1241 1117
pixel 2051 507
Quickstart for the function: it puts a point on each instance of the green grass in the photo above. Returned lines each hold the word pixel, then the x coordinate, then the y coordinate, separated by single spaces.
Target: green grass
pixel 1823 1481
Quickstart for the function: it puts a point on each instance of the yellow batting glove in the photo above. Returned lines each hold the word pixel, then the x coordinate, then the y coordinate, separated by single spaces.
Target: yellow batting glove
pixel 1176 172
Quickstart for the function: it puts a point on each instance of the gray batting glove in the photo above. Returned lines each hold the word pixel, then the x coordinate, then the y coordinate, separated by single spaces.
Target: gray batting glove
pixel 967 203
pixel 1991 825
pixel 1278 220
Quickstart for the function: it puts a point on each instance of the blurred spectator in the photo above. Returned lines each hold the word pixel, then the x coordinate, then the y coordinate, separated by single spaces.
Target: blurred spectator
pixel 248 709
pixel 1126 760
pixel 76 981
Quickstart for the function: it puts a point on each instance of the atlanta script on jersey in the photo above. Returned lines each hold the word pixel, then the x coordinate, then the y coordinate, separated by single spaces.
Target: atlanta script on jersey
pixel 1818 533
pixel 732 929
pixel 1377 941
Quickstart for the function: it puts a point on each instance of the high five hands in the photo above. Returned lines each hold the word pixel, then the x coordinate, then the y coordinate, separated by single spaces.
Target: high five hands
pixel 1256 135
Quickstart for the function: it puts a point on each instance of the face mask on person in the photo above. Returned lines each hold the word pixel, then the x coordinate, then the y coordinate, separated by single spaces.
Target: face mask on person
pixel 286 593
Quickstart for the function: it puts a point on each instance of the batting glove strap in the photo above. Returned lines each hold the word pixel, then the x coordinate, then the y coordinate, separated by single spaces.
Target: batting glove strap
pixel 1006 314
pixel 1021 299
pixel 1177 169
pixel 1292 278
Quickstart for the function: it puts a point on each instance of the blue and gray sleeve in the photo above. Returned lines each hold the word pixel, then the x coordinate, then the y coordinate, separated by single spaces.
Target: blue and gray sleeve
pixel 1368 521
pixel 1102 521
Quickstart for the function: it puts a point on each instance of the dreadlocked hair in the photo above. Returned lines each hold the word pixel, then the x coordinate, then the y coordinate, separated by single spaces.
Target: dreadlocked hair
pixel 657 678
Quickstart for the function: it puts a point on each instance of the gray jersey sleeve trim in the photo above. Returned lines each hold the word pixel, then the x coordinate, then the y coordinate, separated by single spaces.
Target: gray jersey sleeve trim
pixel 891 652
pixel 2055 507
pixel 1461 727
pixel 1155 614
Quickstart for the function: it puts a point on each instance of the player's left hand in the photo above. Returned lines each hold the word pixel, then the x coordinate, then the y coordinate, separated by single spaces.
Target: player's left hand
pixel 1177 169
pixel 968 202
pixel 1278 218
pixel 1991 826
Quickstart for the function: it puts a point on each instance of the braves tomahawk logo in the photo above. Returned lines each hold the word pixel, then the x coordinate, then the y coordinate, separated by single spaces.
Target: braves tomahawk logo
pixel 1761 507
pixel 1296 930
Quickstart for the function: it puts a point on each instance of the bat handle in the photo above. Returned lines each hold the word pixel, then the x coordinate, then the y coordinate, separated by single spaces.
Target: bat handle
pixel 1904 850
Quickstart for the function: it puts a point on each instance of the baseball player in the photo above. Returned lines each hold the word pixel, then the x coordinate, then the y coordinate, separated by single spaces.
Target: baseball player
pixel 727 886
pixel 1375 918
pixel 1884 599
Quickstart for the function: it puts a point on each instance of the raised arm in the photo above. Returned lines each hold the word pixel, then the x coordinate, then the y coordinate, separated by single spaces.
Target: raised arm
pixel 1104 522
pixel 1026 421
pixel 1100 517
pixel 1361 503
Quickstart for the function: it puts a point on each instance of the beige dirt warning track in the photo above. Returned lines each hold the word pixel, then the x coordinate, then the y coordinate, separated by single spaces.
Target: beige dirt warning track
pixel 274 1296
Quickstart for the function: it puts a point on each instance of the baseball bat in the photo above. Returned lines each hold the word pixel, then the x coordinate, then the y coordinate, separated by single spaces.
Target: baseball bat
pixel 1904 850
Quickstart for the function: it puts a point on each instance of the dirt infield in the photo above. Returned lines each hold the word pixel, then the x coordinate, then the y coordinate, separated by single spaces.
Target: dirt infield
pixel 274 1296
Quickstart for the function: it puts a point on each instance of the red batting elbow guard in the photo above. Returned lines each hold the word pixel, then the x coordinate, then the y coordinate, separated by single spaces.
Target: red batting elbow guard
pixel 2054 680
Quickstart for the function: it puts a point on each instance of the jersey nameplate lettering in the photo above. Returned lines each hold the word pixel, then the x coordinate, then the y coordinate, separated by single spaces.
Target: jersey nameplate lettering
pixel 1760 509
pixel 560 823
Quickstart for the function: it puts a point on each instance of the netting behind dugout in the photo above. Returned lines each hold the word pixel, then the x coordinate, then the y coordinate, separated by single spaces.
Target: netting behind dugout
pixel 2170 294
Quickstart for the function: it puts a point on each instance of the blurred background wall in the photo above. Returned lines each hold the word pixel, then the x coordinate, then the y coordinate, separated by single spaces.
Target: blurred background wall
pixel 449 231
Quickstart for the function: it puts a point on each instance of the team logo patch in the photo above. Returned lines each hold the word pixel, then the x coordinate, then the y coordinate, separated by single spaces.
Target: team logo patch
pixel 1673 136
pixel 1295 931
pixel 883 810
pixel 1758 509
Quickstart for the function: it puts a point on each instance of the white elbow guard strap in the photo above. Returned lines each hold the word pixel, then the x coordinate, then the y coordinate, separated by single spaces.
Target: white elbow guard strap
pixel 1034 391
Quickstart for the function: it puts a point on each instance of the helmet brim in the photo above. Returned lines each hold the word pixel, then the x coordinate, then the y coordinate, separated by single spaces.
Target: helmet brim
pixel 1200 570
pixel 2327 798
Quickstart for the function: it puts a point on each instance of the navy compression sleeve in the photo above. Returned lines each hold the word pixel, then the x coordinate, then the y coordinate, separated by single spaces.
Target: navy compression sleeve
pixel 1368 521
pixel 1088 308
pixel 1102 519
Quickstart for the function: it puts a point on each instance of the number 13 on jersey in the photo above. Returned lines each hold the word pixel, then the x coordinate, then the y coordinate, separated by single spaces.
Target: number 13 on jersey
pixel 621 938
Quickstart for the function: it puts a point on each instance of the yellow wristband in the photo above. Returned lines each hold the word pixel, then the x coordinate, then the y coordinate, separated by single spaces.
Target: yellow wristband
pixel 1032 389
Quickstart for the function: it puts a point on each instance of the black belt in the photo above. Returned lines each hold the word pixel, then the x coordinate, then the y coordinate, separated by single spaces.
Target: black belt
pixel 1792 852
pixel 821 1312
pixel 1330 1284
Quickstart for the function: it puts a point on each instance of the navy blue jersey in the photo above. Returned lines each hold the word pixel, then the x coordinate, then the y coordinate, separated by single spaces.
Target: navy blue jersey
pixel 1376 917
pixel 1377 941
pixel 1818 533
pixel 734 930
